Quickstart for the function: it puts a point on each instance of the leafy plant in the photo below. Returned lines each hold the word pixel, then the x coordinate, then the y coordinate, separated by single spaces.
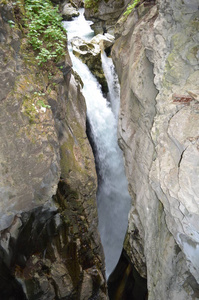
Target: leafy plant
pixel 45 31
pixel 11 23
pixel 42 104
pixel 130 7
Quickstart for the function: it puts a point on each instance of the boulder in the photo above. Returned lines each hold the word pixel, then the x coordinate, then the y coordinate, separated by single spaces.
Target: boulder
pixel 90 54
pixel 69 11
pixel 105 41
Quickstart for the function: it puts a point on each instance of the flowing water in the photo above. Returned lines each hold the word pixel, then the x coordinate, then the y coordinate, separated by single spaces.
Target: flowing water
pixel 113 83
pixel 112 197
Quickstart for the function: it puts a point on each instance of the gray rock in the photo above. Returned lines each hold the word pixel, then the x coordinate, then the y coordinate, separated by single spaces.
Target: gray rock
pixel 47 178
pixel 105 14
pixel 155 61
pixel 90 54
pixel 69 11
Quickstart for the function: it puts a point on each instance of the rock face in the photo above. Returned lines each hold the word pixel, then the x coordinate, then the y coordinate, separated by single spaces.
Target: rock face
pixel 104 14
pixel 156 56
pixel 49 243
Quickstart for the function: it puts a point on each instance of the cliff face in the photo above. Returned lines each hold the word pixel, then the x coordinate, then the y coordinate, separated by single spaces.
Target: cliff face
pixel 156 56
pixel 49 245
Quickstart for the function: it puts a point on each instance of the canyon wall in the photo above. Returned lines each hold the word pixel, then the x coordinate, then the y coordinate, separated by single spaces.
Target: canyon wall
pixel 156 54
pixel 49 243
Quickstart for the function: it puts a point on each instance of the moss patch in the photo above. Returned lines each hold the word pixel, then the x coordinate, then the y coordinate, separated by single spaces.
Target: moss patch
pixel 92 4
pixel 130 7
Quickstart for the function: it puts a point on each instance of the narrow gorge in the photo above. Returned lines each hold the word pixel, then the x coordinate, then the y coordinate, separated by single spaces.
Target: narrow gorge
pixel 73 124
pixel 112 195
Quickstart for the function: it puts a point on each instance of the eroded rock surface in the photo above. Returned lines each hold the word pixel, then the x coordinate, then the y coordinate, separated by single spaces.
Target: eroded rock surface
pixel 69 11
pixel 105 14
pixel 156 56
pixel 49 243
pixel 90 54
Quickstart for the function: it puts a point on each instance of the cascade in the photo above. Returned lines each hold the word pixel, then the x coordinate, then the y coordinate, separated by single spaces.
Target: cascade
pixel 113 83
pixel 112 197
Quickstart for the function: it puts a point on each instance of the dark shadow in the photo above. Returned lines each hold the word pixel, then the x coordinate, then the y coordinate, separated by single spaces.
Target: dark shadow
pixel 125 283
pixel 10 288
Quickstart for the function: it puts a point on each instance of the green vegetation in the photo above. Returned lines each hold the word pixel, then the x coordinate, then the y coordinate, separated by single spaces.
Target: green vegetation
pixel 91 4
pixel 42 104
pixel 130 7
pixel 31 104
pixel 45 31
pixel 11 23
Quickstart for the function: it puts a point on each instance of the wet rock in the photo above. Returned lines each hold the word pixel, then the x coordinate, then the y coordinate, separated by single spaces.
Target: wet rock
pixel 69 11
pixel 104 41
pixel 74 3
pixel 125 282
pixel 90 54
pixel 87 286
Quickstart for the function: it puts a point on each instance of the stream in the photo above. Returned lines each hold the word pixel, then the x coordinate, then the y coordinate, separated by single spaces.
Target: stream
pixel 113 199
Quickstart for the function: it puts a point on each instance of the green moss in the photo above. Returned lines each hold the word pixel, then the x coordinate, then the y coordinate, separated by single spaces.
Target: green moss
pixel 26 91
pixel 91 4
pixel 4 2
pixel 40 157
pixel 67 157
pixel 74 155
pixel 29 109
pixel 130 7
pixel 178 40
pixel 195 24
pixel 192 54
pixel 172 58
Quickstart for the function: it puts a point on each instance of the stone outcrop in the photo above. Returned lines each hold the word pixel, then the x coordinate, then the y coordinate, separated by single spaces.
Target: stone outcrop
pixel 49 243
pixel 156 55
pixel 74 3
pixel 90 54
pixel 69 11
pixel 69 8
pixel 105 14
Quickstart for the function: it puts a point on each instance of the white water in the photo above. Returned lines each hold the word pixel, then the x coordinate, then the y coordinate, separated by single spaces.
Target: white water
pixel 79 27
pixel 113 83
pixel 112 196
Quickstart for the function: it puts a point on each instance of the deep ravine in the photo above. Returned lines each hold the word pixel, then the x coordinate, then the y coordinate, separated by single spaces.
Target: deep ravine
pixel 112 196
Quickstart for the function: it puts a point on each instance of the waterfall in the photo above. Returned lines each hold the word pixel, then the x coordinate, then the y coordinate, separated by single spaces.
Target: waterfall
pixel 113 83
pixel 79 27
pixel 112 197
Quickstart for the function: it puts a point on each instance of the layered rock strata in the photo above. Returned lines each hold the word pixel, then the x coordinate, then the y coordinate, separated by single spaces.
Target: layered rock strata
pixel 49 243
pixel 156 56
